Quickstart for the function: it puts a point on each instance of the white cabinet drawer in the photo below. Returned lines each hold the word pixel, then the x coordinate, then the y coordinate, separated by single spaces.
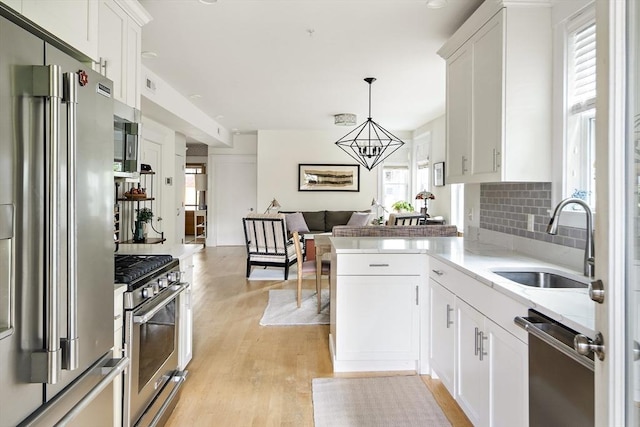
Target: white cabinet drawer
pixel 380 264
pixel 446 275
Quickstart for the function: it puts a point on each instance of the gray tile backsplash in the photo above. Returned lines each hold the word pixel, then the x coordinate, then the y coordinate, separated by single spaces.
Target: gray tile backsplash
pixel 504 208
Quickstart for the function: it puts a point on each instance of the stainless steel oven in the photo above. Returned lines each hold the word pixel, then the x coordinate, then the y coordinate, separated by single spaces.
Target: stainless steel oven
pixel 151 338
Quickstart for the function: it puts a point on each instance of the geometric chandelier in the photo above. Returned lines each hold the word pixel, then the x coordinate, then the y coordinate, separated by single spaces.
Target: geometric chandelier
pixel 369 144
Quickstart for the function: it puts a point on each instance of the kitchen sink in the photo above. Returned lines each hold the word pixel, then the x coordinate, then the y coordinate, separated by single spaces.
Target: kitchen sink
pixel 541 279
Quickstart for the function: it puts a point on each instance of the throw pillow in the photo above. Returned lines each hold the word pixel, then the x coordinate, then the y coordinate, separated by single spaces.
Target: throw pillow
pixel 359 218
pixel 295 222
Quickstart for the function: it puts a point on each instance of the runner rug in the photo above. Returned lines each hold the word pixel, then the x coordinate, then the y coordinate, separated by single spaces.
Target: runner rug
pixel 398 401
pixel 282 309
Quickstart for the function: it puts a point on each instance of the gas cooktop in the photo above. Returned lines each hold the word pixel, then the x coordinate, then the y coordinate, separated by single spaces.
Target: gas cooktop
pixel 129 268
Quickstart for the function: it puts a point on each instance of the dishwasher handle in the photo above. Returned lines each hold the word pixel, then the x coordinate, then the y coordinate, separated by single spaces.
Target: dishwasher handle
pixel 532 328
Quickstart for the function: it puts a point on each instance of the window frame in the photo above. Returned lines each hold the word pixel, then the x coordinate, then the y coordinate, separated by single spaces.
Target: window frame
pixel 579 125
pixel 564 29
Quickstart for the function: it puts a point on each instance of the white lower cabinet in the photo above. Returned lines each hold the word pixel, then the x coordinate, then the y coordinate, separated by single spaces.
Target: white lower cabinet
pixel 484 367
pixel 185 346
pixel 442 321
pixel 379 318
pixel 375 312
pixel 473 366
pixel 508 378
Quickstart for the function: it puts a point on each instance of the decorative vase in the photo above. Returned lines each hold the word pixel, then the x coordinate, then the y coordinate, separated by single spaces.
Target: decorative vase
pixel 138 233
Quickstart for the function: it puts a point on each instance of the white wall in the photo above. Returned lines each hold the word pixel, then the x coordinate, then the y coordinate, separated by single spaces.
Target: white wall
pixel 163 103
pixel 280 152
pixel 441 205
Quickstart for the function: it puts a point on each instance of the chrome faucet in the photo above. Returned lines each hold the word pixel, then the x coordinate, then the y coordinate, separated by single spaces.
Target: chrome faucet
pixel 589 250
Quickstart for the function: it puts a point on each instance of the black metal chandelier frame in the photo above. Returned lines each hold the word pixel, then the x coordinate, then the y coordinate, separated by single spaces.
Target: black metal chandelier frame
pixel 369 143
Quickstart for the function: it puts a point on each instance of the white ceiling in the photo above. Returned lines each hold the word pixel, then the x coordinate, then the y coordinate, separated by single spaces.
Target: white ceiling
pixel 293 64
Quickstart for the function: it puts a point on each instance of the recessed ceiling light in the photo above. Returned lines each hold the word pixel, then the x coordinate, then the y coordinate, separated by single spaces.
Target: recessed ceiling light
pixel 149 54
pixel 436 4
pixel 219 117
pixel 208 1
pixel 195 96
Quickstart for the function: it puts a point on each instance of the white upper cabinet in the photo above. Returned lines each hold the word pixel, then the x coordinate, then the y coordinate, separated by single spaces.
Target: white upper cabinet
pixel 73 21
pixel 119 48
pixel 499 79
pixel 459 99
pixel 109 32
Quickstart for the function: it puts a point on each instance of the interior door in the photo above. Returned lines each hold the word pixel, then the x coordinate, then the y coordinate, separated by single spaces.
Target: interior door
pixel 235 193
pixel 632 283
pixel 617 212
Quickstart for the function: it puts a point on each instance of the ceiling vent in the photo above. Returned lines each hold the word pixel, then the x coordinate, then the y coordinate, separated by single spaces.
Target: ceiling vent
pixel 151 85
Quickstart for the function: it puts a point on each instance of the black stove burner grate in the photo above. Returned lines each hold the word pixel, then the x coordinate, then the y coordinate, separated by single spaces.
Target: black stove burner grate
pixel 128 268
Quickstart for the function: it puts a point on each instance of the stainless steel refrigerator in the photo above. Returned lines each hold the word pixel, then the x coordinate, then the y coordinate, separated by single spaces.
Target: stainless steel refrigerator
pixel 56 233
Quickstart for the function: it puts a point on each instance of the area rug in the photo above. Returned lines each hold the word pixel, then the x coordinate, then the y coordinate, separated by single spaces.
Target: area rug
pixel 396 401
pixel 282 308
pixel 259 273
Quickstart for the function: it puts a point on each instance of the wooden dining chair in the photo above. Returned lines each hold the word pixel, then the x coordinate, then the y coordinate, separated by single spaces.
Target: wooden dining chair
pixel 306 268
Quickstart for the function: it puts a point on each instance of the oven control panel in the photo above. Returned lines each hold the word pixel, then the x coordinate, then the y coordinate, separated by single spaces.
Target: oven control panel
pixel 151 288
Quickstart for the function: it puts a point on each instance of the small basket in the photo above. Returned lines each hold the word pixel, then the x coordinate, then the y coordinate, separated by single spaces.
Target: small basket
pixel 135 196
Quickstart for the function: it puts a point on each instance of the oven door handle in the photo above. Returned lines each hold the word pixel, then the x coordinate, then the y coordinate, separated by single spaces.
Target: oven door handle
pixel 146 313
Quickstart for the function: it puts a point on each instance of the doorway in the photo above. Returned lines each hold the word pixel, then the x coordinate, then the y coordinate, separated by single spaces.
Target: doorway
pixel 195 196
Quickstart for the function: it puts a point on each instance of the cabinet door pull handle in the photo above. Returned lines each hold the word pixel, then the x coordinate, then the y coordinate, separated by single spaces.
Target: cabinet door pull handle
pixel 438 272
pixel 449 321
pixel 378 265
pixel 464 164
pixel 417 295
pixel 475 346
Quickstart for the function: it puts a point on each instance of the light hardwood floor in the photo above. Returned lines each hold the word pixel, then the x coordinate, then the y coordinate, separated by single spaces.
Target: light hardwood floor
pixel 244 374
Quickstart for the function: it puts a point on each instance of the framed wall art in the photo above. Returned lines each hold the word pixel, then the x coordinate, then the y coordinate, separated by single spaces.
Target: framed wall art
pixel 328 177
pixel 438 174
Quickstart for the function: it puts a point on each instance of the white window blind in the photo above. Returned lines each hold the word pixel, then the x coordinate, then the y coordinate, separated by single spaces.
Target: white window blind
pixel 583 76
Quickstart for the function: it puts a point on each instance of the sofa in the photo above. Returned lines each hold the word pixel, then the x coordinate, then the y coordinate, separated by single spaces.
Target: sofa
pixel 324 221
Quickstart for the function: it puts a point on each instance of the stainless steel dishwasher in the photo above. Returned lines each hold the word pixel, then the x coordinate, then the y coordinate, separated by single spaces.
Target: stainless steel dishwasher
pixel 561 388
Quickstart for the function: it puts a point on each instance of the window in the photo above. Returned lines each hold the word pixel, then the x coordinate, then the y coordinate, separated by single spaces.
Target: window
pixel 422 176
pixel 579 152
pixel 395 185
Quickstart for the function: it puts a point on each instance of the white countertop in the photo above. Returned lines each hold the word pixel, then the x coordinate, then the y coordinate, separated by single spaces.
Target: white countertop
pixel 571 307
pixel 176 251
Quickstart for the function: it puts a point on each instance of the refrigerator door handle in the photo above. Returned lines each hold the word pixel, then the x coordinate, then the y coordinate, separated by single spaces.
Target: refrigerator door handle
pixel 70 346
pixel 61 411
pixel 45 365
pixel 110 373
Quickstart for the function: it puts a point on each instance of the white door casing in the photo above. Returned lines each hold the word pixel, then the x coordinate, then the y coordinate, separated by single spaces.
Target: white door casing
pixel 178 185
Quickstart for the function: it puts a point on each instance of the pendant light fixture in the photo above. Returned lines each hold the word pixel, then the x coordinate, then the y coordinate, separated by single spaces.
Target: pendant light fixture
pixel 369 143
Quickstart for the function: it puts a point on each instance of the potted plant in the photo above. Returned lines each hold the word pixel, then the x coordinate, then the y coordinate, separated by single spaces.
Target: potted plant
pixel 402 206
pixel 144 216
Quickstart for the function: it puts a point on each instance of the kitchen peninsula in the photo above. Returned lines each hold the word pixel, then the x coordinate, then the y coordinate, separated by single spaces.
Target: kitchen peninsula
pixel 402 304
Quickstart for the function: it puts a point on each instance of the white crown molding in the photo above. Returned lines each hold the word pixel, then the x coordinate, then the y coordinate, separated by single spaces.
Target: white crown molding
pixel 136 11
pixel 481 16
